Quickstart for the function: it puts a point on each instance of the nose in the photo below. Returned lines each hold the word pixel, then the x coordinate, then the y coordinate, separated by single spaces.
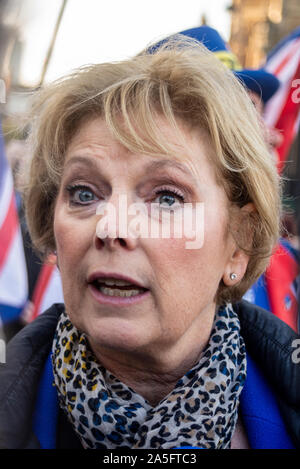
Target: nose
pixel 112 226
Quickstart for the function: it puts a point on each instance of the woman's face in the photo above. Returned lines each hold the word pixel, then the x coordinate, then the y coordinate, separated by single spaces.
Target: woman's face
pixel 178 304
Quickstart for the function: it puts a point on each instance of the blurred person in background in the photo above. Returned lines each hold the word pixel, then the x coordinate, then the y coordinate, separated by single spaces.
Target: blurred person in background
pixel 13 274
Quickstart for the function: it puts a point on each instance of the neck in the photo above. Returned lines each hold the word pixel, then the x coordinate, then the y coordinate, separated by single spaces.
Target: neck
pixel 153 375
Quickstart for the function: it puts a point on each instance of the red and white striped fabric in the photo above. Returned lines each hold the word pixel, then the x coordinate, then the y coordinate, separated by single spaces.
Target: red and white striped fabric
pixel 282 111
pixel 13 273
pixel 48 289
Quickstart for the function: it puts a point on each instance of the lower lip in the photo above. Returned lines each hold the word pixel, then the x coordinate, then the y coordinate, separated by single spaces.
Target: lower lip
pixel 117 300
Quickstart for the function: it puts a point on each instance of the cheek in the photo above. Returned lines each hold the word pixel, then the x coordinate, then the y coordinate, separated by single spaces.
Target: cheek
pixel 192 272
pixel 73 238
pixel 187 256
pixel 65 237
pixel 183 287
pixel 176 268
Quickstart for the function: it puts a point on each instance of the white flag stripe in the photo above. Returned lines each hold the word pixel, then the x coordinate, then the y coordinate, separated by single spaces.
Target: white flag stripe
pixel 6 194
pixel 296 126
pixel 53 292
pixel 275 105
pixel 288 71
pixel 277 59
pixel 13 277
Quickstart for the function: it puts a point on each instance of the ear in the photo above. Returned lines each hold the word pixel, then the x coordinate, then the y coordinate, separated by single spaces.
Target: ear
pixel 236 267
pixel 242 234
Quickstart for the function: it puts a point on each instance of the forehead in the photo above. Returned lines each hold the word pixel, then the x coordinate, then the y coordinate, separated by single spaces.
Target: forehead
pixel 187 150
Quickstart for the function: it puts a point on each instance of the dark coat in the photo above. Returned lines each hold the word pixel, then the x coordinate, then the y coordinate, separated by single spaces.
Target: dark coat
pixel 269 341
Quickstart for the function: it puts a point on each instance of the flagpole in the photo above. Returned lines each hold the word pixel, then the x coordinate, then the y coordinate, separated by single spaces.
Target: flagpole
pixel 51 46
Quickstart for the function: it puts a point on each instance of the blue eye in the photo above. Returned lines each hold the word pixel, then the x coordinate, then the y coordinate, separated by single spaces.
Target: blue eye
pixel 167 198
pixel 80 195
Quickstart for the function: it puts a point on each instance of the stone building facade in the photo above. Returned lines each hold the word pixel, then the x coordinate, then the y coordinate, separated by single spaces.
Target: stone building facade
pixel 257 25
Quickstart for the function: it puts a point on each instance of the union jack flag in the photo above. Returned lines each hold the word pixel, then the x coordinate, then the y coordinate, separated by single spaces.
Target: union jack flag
pixel 282 111
pixel 13 273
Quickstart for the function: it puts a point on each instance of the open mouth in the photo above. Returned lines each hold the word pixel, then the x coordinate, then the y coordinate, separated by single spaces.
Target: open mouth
pixel 119 288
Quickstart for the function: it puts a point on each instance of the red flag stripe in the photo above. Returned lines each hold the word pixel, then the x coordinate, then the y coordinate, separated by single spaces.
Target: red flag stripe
pixel 8 230
pixel 286 122
pixel 41 286
pixel 279 278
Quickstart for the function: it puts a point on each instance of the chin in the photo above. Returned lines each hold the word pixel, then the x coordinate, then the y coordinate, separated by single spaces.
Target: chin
pixel 117 334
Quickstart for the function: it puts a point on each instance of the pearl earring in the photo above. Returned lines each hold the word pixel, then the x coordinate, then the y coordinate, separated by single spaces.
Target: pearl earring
pixel 233 276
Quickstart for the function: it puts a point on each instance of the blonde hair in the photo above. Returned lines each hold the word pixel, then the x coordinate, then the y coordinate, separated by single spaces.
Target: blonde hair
pixel 180 80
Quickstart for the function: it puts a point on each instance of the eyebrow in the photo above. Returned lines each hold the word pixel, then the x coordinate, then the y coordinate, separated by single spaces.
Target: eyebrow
pixel 81 160
pixel 149 168
pixel 161 164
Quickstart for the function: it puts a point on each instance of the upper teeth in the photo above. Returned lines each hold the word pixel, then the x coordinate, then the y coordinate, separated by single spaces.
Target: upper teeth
pixel 114 281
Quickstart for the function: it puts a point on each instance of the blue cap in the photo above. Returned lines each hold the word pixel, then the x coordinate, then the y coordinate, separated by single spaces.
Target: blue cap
pixel 260 81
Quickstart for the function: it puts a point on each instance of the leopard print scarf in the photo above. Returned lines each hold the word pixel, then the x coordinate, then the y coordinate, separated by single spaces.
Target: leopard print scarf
pixel 201 411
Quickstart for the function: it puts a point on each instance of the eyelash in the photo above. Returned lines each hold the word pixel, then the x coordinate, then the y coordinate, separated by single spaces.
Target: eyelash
pixel 173 191
pixel 71 189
